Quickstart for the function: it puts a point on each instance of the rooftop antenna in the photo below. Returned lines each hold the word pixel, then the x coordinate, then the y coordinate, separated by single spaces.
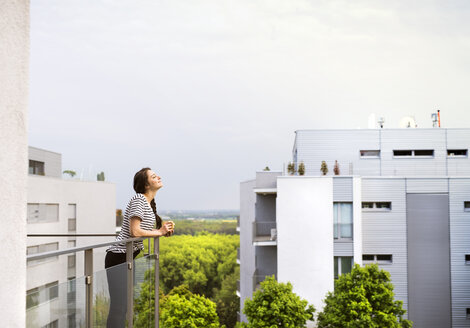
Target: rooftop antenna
pixel 436 119
pixel 408 122
pixel 381 122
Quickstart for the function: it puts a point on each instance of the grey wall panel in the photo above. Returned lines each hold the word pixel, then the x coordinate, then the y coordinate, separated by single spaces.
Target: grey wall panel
pixel 385 232
pixel 458 139
pixel 265 208
pixel 52 161
pixel 247 250
pixel 459 192
pixel 412 139
pixel 427 185
pixel 343 248
pixel 315 146
pixel 342 189
pixel 428 260
pixel 267 179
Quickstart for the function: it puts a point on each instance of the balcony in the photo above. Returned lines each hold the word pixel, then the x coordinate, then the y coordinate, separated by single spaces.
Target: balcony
pixel 238 223
pixel 259 278
pixel 238 288
pixel 238 255
pixel 84 301
pixel 264 233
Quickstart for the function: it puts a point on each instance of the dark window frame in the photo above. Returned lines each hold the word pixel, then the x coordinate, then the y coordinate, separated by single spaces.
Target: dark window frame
pixel 387 260
pixel 375 207
pixel 413 153
pixel 369 153
pixel 457 153
pixel 36 167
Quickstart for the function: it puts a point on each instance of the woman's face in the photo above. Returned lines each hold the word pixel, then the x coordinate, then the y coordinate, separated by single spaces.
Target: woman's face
pixel 154 181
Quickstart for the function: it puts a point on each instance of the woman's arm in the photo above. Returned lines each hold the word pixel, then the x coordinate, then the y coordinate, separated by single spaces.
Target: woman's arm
pixel 137 231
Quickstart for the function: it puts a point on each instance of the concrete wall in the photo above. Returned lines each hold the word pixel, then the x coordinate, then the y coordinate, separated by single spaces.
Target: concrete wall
pixel 14 77
pixel 305 222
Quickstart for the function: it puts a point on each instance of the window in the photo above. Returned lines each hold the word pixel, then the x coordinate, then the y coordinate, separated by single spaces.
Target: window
pixel 342 265
pixel 72 218
pixel 414 153
pixel 377 206
pixel 36 167
pixel 457 152
pixel 43 213
pixel 71 290
pixel 370 153
pixel 402 153
pixel 380 258
pixel 426 152
pixel 343 221
pixel 466 206
pixel 42 294
pixel 72 225
pixel 41 249
pixel 71 260
pixel 468 313
pixel 467 259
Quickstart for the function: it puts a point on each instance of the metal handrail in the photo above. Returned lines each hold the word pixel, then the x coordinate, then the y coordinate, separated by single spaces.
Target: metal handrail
pixel 77 249
pixel 88 270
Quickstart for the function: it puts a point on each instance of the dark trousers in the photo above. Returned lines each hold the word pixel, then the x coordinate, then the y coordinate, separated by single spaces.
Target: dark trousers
pixel 116 272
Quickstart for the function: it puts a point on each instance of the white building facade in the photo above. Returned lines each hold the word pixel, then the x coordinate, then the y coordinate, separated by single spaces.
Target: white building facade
pixel 401 199
pixel 70 207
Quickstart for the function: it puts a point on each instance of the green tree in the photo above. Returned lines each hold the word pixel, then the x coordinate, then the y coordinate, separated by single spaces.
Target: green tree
pixel 363 298
pixel 275 305
pixel 200 262
pixel 70 172
pixel 188 310
pixel 227 300
pixel 205 264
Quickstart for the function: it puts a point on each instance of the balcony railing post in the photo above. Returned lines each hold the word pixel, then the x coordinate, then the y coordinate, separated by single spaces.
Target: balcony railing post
pixel 156 246
pixel 130 283
pixel 89 287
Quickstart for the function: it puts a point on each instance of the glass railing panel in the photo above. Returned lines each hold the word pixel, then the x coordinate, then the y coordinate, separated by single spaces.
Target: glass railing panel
pixel 144 297
pixel 56 305
pixel 101 299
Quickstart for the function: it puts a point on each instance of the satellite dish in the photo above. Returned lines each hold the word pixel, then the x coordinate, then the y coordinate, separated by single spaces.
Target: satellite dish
pixel 408 122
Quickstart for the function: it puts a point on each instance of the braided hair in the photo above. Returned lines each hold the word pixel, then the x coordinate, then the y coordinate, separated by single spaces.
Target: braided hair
pixel 140 182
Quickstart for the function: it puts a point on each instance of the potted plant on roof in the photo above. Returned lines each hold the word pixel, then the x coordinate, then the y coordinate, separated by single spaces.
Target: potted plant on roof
pixel 301 169
pixel 336 168
pixel 324 168
pixel 291 168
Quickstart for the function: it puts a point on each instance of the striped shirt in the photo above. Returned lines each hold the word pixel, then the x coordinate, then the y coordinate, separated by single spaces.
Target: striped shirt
pixel 137 207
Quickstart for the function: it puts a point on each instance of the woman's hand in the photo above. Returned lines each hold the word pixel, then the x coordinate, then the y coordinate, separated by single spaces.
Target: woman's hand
pixel 171 228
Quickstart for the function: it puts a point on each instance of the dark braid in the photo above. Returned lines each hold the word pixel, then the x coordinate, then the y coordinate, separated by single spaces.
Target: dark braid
pixel 154 208
pixel 140 182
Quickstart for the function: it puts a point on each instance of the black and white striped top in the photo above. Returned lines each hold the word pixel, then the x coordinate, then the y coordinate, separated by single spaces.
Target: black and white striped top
pixel 139 207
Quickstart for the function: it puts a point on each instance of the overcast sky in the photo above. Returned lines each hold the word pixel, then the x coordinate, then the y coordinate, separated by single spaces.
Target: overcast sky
pixel 207 92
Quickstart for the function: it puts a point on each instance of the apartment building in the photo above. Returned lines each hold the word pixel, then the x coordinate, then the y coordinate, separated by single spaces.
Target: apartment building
pixel 401 199
pixel 62 206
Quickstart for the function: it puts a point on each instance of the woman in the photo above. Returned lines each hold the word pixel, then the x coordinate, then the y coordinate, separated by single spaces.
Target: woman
pixel 139 219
